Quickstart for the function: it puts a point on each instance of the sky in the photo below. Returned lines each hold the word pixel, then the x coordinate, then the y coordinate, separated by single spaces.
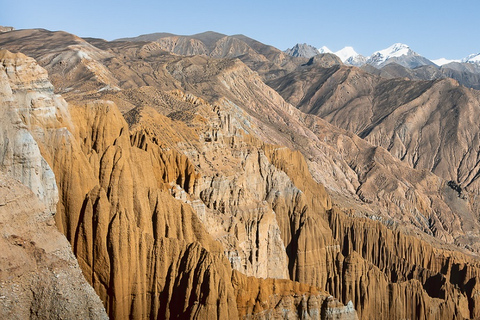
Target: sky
pixel 434 29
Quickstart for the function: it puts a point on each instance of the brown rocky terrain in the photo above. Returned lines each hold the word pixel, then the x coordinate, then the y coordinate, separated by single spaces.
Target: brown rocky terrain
pixel 273 120
pixel 268 61
pixel 210 181
pixel 427 124
pixel 71 61
pixel 467 74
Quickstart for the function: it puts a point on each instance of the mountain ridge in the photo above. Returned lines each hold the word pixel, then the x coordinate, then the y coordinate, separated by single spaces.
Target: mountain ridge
pixel 404 62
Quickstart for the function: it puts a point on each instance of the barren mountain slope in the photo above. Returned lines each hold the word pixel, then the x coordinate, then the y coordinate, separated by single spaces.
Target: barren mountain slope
pixel 277 122
pixel 466 74
pixel 394 70
pixel 268 61
pixel 427 124
pixel 72 63
pixel 39 276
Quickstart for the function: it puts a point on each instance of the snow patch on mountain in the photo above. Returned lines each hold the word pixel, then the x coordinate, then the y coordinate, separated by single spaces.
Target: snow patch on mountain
pixel 443 61
pixel 398 53
pixel 473 58
pixel 346 53
pixel 324 49
pixel 394 51
pixel 349 56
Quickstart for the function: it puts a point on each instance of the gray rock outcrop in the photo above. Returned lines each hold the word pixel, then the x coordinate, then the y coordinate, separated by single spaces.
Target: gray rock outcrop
pixel 302 50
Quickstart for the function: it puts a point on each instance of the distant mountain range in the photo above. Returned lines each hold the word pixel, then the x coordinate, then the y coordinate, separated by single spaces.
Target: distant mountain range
pixel 400 61
pixel 396 61
pixel 398 53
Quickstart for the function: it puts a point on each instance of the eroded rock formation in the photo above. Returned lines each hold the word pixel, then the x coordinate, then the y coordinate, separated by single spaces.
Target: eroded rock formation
pixel 179 207
pixel 145 253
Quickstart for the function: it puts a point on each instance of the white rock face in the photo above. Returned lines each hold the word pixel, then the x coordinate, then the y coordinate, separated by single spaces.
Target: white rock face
pixel 335 310
pixel 28 106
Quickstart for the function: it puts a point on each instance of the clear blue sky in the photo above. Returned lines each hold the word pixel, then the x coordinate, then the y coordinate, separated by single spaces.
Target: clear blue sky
pixel 434 29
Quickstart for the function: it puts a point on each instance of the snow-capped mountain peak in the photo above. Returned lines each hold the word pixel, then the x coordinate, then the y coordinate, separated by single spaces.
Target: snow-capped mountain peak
pixel 345 53
pixel 324 49
pixel 348 55
pixel 394 51
pixel 473 58
pixel 398 53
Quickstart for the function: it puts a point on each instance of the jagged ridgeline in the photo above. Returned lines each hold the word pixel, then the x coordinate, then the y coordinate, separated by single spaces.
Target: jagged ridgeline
pixel 189 188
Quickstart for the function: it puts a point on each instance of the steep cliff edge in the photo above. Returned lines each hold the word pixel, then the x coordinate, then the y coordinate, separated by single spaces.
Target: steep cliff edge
pixel 134 239
pixel 24 83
